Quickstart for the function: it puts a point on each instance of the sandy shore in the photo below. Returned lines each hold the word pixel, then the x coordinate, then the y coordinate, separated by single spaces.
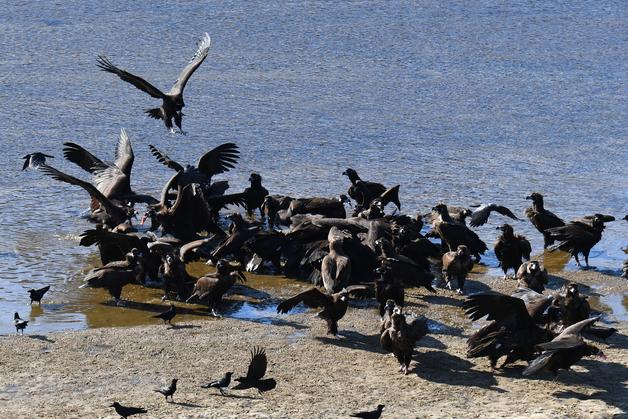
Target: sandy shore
pixel 80 373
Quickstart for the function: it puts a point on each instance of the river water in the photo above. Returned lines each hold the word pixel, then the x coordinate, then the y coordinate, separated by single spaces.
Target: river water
pixel 461 102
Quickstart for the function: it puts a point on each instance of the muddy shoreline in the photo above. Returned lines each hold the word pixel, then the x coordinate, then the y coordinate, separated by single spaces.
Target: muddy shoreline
pixel 80 373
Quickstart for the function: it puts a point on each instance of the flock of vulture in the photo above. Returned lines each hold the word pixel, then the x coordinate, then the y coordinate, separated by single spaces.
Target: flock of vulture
pixel 346 247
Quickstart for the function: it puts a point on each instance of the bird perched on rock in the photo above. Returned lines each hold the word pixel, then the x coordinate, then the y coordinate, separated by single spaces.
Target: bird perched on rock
pixel 172 102
pixel 564 350
pixel 532 275
pixel 167 315
pixel 168 391
pixel 334 305
pixel 126 411
pixel 19 324
pixel 369 414
pixel 511 248
pixel 255 373
pixel 34 160
pixel 221 384
pixel 38 294
pixel 457 265
pixel 541 218
pixel 579 237
pixel 401 337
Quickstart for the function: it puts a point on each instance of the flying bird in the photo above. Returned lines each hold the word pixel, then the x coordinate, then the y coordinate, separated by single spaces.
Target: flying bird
pixel 34 160
pixel 172 101
pixel 37 295
pixel 255 373
pixel 480 216
pixel 126 411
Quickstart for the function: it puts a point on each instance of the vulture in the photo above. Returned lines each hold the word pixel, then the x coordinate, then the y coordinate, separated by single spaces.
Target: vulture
pixel 175 276
pixel 388 311
pixel 513 330
pixel 172 102
pixel 361 191
pixel 211 287
pixel 480 216
pixel 34 160
pixel 541 218
pixel 457 265
pixel 334 305
pixel 254 195
pixel 233 244
pixel 115 275
pixel 402 267
pixel 112 179
pixel 457 215
pixel 401 337
pixel 511 248
pixel 454 234
pixel 255 373
pixel 273 205
pixel 532 275
pixel 579 237
pixel 327 207
pixel 108 212
pixel 336 266
pixel 564 350
pixel 388 288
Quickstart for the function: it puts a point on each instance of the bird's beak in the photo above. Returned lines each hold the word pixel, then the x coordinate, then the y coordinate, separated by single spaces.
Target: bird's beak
pixel 143 219
pixel 529 197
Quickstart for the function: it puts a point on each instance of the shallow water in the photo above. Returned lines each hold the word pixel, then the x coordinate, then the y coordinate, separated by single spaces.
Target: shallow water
pixel 464 103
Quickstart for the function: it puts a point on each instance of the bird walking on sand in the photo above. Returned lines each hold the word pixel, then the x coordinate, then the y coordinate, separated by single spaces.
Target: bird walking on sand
pixel 221 384
pixel 20 324
pixel 167 315
pixel 126 411
pixel 37 295
pixel 168 391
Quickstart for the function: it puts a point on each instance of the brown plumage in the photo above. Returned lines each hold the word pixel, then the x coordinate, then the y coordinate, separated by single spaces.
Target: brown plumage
pixel 115 275
pixel 336 266
pixel 564 350
pixel 532 275
pixel 456 265
pixel 511 248
pixel 211 287
pixel 541 218
pixel 172 102
pixel 327 207
pixel 480 216
pixel 401 337
pixel 334 305
pixel 453 234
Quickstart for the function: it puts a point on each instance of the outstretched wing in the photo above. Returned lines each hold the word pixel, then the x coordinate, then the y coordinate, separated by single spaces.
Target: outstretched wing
pixel 360 292
pixel 124 153
pixel 258 364
pixel 83 158
pixel 311 298
pixel 480 216
pixel 195 62
pixel 164 159
pixel 220 201
pixel 91 189
pixel 494 305
pixel 219 160
pixel 124 242
pixel 105 65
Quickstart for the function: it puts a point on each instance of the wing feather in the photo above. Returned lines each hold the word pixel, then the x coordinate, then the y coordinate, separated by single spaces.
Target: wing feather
pixel 105 65
pixel 195 62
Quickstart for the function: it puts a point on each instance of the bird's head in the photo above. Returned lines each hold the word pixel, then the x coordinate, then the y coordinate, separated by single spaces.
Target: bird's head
pixel 505 228
pixel 255 178
pixel 533 266
pixel 440 208
pixel 572 290
pixel 114 404
pixel 535 197
pixel 462 251
pixel 229 374
pixel 174 381
pixel 390 306
pixel 380 407
pixel 16 316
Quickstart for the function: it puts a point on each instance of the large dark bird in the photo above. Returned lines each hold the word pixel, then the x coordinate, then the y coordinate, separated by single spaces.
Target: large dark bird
pixel 388 311
pixel 34 160
pixel 579 237
pixel 212 286
pixel 457 265
pixel 167 315
pixel 221 384
pixel 564 350
pixel 336 266
pixel 172 102
pixel 361 191
pixel 175 276
pixel 115 275
pixel 327 207
pixel 112 179
pixel 169 390
pixel 20 324
pixel 402 267
pixel 126 411
pixel 454 234
pixel 532 275
pixel 401 337
pixel 457 215
pixel 511 248
pixel 108 212
pixel 541 218
pixel 334 305
pixel 369 414
pixel 254 195
pixel 480 216
pixel 513 331
pixel 38 294
pixel 255 373
pixel 273 205
pixel 388 288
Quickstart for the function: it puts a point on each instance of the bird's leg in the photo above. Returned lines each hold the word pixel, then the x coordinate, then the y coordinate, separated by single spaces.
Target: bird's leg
pixel 578 261
pixel 222 391
pixel 172 131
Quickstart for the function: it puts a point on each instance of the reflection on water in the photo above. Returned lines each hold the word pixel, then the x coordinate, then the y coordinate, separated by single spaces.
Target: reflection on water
pixel 457 102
